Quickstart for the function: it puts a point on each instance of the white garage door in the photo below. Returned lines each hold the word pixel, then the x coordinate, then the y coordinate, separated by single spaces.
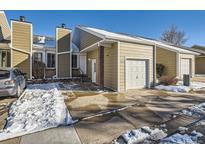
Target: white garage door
pixel 185 66
pixel 136 74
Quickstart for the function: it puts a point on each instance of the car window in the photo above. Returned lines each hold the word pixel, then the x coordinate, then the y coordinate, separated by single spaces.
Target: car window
pixel 4 74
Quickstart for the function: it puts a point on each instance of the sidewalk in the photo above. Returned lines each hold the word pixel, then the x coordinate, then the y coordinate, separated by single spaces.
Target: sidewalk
pixel 60 135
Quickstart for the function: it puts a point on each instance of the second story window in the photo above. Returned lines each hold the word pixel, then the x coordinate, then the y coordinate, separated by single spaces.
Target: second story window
pixel 51 60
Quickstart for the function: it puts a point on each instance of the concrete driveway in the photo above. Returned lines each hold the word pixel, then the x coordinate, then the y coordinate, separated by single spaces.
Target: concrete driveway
pixel 104 115
pixel 99 123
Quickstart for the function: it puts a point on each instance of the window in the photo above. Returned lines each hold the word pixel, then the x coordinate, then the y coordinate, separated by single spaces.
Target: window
pixel 3 59
pixel 37 57
pixel 50 60
pixel 4 74
pixel 74 61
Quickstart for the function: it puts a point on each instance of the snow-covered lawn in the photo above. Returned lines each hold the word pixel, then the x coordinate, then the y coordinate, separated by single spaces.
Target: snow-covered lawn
pixel 180 88
pixel 40 107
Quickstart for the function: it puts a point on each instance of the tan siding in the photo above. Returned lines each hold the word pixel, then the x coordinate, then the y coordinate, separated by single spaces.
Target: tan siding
pixel 135 51
pixel 110 66
pixel 21 36
pixel 86 39
pixel 21 39
pixel 64 65
pixel 22 61
pixel 168 59
pixel 4 27
pixel 63 41
pixel 200 65
pixel 192 57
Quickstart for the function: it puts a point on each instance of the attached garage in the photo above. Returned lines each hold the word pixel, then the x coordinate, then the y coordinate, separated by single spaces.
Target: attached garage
pixel 136 73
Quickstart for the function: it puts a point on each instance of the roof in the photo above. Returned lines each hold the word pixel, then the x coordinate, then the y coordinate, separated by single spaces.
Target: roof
pixel 199 49
pixel 104 34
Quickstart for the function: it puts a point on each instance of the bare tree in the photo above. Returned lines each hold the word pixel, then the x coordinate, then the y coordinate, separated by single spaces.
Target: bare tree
pixel 174 36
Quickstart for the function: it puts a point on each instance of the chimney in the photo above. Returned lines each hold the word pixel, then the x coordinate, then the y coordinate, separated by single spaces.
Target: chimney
pixel 22 18
pixel 62 25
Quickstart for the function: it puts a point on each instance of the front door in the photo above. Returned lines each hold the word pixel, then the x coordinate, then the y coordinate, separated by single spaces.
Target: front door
pixel 94 70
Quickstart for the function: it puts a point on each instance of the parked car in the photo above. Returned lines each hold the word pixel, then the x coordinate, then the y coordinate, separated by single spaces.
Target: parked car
pixel 12 82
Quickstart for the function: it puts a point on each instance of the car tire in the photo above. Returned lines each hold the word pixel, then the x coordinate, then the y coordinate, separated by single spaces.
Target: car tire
pixel 18 92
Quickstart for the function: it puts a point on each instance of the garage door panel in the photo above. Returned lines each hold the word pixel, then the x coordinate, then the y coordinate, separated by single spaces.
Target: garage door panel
pixel 136 74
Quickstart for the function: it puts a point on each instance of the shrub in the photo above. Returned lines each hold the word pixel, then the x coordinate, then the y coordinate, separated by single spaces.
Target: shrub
pixel 38 70
pixel 160 70
pixel 166 80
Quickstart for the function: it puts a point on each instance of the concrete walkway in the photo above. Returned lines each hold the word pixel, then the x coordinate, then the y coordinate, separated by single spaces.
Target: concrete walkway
pixel 60 135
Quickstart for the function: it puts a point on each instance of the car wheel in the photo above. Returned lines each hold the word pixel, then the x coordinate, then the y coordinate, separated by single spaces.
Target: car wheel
pixel 18 93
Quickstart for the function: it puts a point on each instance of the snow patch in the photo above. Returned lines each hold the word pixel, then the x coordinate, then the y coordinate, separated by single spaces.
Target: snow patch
pixel 195 110
pixel 40 107
pixel 194 85
pixel 179 87
pixel 182 139
pixel 173 88
pixel 142 135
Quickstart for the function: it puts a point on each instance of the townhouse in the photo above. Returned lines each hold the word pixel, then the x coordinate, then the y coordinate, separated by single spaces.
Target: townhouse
pixel 114 60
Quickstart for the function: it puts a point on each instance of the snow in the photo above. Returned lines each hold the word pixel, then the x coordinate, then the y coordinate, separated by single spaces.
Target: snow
pixel 182 139
pixel 108 34
pixel 183 129
pixel 194 85
pixel 40 107
pixel 141 135
pixel 180 88
pixel 173 88
pixel 196 109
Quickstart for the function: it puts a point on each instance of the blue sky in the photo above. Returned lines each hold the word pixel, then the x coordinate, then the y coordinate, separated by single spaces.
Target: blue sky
pixel 145 23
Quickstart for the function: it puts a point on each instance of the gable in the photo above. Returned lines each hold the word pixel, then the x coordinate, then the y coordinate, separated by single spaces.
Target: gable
pixel 84 39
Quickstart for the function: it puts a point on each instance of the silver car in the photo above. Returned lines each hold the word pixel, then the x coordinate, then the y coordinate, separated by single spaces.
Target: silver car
pixel 12 82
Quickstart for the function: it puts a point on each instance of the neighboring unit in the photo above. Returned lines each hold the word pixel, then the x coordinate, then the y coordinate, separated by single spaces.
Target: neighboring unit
pixel 200 59
pixel 19 48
